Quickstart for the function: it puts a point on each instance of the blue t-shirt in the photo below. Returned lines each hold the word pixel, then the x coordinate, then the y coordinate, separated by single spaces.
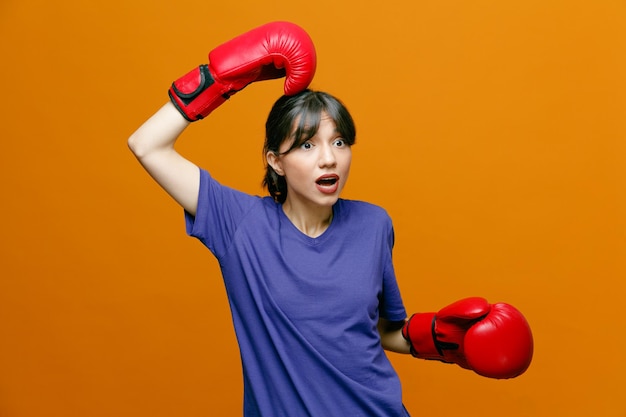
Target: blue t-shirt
pixel 305 309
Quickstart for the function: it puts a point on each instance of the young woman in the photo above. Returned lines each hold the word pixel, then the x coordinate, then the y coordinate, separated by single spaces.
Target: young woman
pixel 309 275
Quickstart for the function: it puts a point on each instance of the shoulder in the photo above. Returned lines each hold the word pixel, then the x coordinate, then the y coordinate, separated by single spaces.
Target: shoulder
pixel 358 206
pixel 364 212
pixel 365 222
pixel 211 186
pixel 223 203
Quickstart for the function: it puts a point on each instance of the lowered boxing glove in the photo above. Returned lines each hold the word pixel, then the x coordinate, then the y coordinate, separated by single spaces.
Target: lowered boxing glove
pixel 274 50
pixel 494 341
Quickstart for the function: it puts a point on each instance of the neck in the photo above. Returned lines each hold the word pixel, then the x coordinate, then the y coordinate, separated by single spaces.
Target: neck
pixel 310 221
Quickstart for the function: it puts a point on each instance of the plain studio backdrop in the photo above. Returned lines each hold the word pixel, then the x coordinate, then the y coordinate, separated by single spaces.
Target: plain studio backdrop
pixel 493 132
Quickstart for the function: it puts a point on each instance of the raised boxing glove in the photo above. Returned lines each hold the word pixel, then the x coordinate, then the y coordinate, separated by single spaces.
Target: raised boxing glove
pixel 274 50
pixel 493 340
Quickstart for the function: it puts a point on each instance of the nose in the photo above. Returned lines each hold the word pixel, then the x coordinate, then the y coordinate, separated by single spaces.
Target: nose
pixel 327 158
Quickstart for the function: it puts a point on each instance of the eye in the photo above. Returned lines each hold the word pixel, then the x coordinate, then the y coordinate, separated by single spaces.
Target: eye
pixel 306 145
pixel 339 142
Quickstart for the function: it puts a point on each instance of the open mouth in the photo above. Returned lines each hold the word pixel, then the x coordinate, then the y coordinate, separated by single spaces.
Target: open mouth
pixel 326 181
pixel 328 184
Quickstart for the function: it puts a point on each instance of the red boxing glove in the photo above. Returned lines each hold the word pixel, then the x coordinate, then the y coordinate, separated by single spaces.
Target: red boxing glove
pixel 493 340
pixel 271 51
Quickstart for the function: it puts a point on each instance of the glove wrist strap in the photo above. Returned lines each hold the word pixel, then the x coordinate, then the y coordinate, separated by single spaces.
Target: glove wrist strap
pixel 196 94
pixel 419 331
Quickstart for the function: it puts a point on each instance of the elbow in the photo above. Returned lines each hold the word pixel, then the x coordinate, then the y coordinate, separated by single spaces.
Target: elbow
pixel 157 133
pixel 133 144
pixel 137 146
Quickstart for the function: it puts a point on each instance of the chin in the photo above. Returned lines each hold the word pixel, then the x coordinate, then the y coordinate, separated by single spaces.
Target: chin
pixel 330 200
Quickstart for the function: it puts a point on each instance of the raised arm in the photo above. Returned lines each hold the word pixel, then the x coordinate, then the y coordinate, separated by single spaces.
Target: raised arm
pixel 270 51
pixel 153 145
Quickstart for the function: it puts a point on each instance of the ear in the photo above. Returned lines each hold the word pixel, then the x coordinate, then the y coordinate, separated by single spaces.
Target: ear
pixel 274 161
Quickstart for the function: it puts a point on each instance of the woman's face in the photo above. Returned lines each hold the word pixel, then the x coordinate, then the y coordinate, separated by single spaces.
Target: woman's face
pixel 317 170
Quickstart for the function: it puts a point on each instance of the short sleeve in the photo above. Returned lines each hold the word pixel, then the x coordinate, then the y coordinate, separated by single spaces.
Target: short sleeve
pixel 391 304
pixel 220 210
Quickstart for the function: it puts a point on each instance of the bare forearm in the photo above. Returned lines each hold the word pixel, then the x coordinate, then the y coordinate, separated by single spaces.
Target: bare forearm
pixel 391 336
pixel 157 133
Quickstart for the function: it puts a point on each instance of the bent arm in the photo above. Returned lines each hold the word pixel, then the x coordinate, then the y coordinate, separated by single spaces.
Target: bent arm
pixel 391 336
pixel 153 145
pixel 244 59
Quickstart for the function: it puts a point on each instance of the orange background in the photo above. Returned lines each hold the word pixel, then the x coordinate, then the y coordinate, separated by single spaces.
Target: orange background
pixel 492 131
